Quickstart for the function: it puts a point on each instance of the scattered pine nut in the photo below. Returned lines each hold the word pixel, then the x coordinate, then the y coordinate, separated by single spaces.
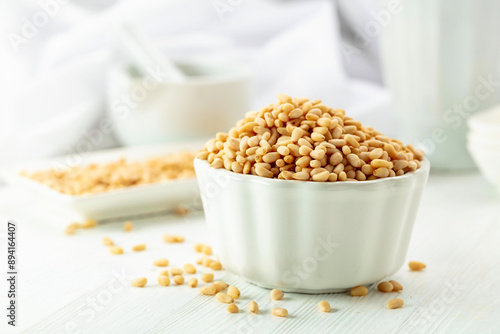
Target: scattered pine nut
pixel 208 290
pixel 193 282
pixel 385 287
pixel 128 226
pixel 200 260
pixel 139 247
pixel 164 273
pixel 207 261
pixel 181 210
pixel 233 292
pixel 207 250
pixel 179 279
pixel 224 298
pixel 198 248
pixel 71 228
pixel 189 268
pixel 89 223
pixel 416 266
pixel 280 312
pixel 108 242
pixel 216 265
pixel 163 280
pixel 115 250
pixel 395 303
pixel 396 285
pixel 207 277
pixel 161 262
pixel 253 307
pixel 173 238
pixel 140 282
pixel 324 306
pixel 220 286
pixel 176 271
pixel 232 308
pixel 358 291
pixel 277 294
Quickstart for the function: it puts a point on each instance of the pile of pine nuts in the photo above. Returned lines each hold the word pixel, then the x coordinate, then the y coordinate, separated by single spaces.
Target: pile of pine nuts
pixel 97 178
pixel 299 139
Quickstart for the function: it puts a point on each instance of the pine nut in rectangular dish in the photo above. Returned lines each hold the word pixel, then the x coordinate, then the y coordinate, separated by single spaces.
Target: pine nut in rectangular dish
pixel 335 186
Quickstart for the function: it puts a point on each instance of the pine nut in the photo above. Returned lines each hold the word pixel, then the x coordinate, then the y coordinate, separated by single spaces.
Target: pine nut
pixel 280 312
pixel 208 290
pixel 128 226
pixel 233 292
pixel 253 307
pixel 107 242
pixel 232 308
pixel 277 294
pixel 207 277
pixel 216 265
pixel 416 266
pixel 193 282
pixel 381 172
pixel 139 247
pixel 116 250
pixel 198 247
pixel 89 223
pixel 207 250
pixel 395 303
pixel 396 285
pixel 178 279
pixel 385 287
pixel 220 286
pixel 189 268
pixel 358 291
pixel 378 163
pixel 324 306
pixel 164 273
pixel 140 282
pixel 176 271
pixel 224 298
pixel 161 262
pixel 163 280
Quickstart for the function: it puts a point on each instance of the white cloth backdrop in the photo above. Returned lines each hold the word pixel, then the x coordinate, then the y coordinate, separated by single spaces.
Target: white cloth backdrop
pixel 53 82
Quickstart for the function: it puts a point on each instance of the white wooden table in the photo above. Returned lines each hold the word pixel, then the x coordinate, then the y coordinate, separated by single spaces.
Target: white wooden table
pixel 73 285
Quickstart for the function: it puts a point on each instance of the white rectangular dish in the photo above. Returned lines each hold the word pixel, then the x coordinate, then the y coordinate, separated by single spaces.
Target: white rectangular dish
pixel 126 202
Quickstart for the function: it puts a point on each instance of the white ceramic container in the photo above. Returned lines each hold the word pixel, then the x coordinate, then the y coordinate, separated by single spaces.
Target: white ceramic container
pixel 310 237
pixel 147 110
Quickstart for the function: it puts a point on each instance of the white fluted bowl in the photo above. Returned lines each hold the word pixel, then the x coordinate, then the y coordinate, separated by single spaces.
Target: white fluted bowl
pixel 306 236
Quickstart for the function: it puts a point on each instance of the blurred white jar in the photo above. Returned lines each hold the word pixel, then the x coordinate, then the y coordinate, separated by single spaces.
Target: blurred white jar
pixel 146 110
pixel 441 60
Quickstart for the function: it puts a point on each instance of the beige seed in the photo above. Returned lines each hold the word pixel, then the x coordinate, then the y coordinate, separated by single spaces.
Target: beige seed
pixel 376 153
pixel 208 290
pixel 381 172
pixel 207 277
pixel 395 303
pixel 198 247
pixel 176 271
pixel 207 250
pixel 233 292
pixel 107 242
pixel 416 266
pixel 139 247
pixel 232 308
pixel 220 286
pixel 207 262
pixel 216 265
pixel 253 307
pixel 324 306
pixel 115 250
pixel 140 282
pixel 224 298
pixel 173 238
pixel 164 273
pixel 179 279
pixel 280 312
pixel 358 291
pixel 377 163
pixel 385 287
pixel 397 286
pixel 277 294
pixel 189 268
pixel 89 223
pixel 128 226
pixel 193 282
pixel 161 262
pixel 163 280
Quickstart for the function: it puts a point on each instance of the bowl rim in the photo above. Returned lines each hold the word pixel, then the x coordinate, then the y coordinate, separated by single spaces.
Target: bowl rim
pixel 424 169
